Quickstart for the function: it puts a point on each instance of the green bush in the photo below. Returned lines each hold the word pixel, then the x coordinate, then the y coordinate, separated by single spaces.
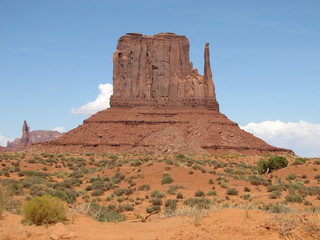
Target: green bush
pixel 291 177
pixel 258 180
pixel 153 209
pixel 275 194
pixel 247 196
pixel 7 202
pixel 199 193
pixel 232 191
pixel 156 201
pixel 144 187
pixel 299 161
pixel 67 195
pixel 166 179
pixel 294 198
pixel 278 208
pixel 276 187
pixel 171 205
pixel 179 195
pixel 180 156
pixel 104 214
pixel 29 181
pixel 273 163
pixel 199 203
pixel 44 210
pixel 157 194
pixel 212 193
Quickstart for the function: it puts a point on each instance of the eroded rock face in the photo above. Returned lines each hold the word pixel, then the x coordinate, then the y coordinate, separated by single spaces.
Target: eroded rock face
pixel 160 105
pixel 155 71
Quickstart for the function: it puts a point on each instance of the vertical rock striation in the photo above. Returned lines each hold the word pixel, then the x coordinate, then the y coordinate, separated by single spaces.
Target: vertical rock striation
pixel 156 71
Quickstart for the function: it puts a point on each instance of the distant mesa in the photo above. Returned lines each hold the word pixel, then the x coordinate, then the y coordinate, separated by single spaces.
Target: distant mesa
pixel 29 137
pixel 3 149
pixel 160 105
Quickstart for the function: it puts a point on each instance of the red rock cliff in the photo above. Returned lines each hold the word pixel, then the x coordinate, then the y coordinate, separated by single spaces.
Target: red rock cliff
pixel 156 71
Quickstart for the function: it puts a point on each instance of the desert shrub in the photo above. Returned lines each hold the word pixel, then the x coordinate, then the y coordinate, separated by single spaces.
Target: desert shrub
pixel 157 194
pixel 68 183
pixel 247 196
pixel 156 201
pixel 179 195
pixel 113 157
pixel 299 161
pixel 199 203
pixel 219 164
pixel 67 195
pixel 37 189
pixel 258 180
pixel 314 190
pixel 276 187
pixel 223 184
pixel 317 177
pixel 32 173
pixel 247 189
pixel 211 181
pixel 15 187
pixel 102 163
pixel 291 177
pixel 278 208
pixel 144 187
pixel 153 209
pixel 212 193
pixel 169 162
pixel 117 178
pixel 296 198
pixel 170 205
pixel 198 167
pixel 273 163
pixel 119 192
pixel 275 194
pixel 199 193
pixel 136 163
pixel 29 181
pixel 125 207
pixel 298 187
pixel 172 189
pixel 103 213
pixel 7 202
pixel 166 179
pixel 44 210
pixel 232 191
pixel 97 192
pixel 180 156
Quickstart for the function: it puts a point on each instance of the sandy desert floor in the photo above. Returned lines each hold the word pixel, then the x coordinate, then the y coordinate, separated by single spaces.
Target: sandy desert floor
pixel 283 204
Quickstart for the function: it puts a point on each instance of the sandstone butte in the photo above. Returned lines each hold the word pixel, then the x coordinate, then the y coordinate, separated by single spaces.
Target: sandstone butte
pixel 160 105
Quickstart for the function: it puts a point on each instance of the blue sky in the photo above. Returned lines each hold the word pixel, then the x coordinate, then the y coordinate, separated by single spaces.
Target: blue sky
pixel 265 57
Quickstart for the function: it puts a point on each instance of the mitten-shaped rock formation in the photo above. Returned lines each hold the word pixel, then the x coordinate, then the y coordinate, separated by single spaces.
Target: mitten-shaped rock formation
pixel 155 71
pixel 160 105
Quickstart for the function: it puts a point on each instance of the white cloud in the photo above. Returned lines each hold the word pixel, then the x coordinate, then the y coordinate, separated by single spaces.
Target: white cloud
pixel 3 140
pixel 101 102
pixel 302 137
pixel 59 129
